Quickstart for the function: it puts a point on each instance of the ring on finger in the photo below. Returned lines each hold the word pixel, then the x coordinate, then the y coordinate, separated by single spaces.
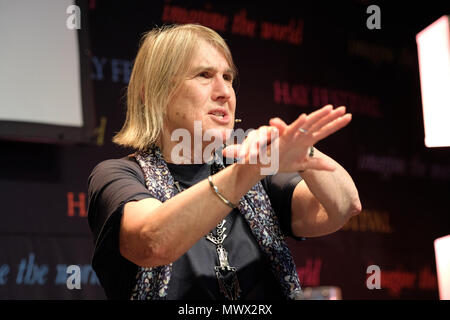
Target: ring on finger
pixel 302 130
pixel 311 151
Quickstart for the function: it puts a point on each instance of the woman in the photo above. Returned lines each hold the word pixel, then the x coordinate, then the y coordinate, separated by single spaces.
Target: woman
pixel 204 229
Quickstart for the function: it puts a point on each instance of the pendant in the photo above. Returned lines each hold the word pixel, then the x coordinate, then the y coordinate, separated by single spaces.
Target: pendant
pixel 226 276
pixel 228 282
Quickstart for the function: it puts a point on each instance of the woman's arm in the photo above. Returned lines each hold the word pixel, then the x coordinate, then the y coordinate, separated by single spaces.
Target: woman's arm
pixel 154 233
pixel 323 201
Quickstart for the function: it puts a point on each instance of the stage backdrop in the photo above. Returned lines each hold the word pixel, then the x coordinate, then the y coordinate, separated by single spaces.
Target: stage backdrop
pixel 291 59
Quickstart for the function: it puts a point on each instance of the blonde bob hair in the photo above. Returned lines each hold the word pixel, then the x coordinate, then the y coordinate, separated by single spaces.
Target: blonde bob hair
pixel 161 64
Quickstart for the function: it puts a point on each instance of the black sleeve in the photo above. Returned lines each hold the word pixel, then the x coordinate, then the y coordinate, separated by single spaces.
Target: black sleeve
pixel 111 184
pixel 280 188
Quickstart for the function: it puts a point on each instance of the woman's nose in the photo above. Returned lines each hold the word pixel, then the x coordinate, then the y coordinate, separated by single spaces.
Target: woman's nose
pixel 222 89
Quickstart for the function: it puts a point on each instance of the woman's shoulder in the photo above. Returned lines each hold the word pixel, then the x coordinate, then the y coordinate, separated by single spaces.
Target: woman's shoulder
pixel 121 166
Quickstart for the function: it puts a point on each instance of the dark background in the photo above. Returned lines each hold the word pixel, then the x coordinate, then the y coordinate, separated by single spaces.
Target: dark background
pixel 403 186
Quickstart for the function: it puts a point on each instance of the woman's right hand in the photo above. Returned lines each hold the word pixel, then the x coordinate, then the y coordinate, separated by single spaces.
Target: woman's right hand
pixel 285 148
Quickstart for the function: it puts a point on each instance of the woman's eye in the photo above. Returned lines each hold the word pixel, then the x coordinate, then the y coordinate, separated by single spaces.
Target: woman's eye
pixel 205 75
pixel 228 78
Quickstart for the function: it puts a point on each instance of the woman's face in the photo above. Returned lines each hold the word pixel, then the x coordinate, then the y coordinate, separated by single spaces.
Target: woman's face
pixel 205 95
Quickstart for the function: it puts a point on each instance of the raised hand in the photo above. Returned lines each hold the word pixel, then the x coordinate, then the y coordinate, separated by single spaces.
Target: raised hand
pixel 296 138
pixel 293 141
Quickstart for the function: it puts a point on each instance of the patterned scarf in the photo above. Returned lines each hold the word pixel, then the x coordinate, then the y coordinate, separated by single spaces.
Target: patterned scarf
pixel 153 283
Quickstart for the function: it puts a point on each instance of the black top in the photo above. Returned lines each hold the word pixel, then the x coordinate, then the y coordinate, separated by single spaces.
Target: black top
pixel 113 183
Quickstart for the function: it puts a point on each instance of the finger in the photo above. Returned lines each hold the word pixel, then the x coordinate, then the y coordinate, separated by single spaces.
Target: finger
pixel 332 127
pixel 244 150
pixel 264 138
pixel 336 113
pixel 260 141
pixel 253 149
pixel 296 125
pixel 317 115
pixel 270 135
pixel 279 124
pixel 242 154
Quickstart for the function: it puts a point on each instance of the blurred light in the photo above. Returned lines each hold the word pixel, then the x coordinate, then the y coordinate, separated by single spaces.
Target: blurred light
pixel 433 46
pixel 321 293
pixel 442 252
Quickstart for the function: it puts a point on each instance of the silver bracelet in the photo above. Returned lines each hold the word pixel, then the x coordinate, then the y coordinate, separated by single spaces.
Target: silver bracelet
pixel 216 190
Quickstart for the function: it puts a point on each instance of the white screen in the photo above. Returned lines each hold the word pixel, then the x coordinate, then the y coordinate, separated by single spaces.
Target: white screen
pixel 433 47
pixel 39 63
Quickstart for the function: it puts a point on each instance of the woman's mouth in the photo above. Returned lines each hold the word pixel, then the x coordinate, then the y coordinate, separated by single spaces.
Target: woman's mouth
pixel 220 116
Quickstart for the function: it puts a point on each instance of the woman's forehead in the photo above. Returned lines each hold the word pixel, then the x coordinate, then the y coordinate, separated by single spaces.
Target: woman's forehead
pixel 208 56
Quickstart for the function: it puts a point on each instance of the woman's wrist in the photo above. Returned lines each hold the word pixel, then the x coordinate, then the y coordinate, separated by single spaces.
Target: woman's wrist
pixel 234 181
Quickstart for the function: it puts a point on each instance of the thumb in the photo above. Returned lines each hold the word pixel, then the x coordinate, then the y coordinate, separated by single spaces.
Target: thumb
pixel 279 124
